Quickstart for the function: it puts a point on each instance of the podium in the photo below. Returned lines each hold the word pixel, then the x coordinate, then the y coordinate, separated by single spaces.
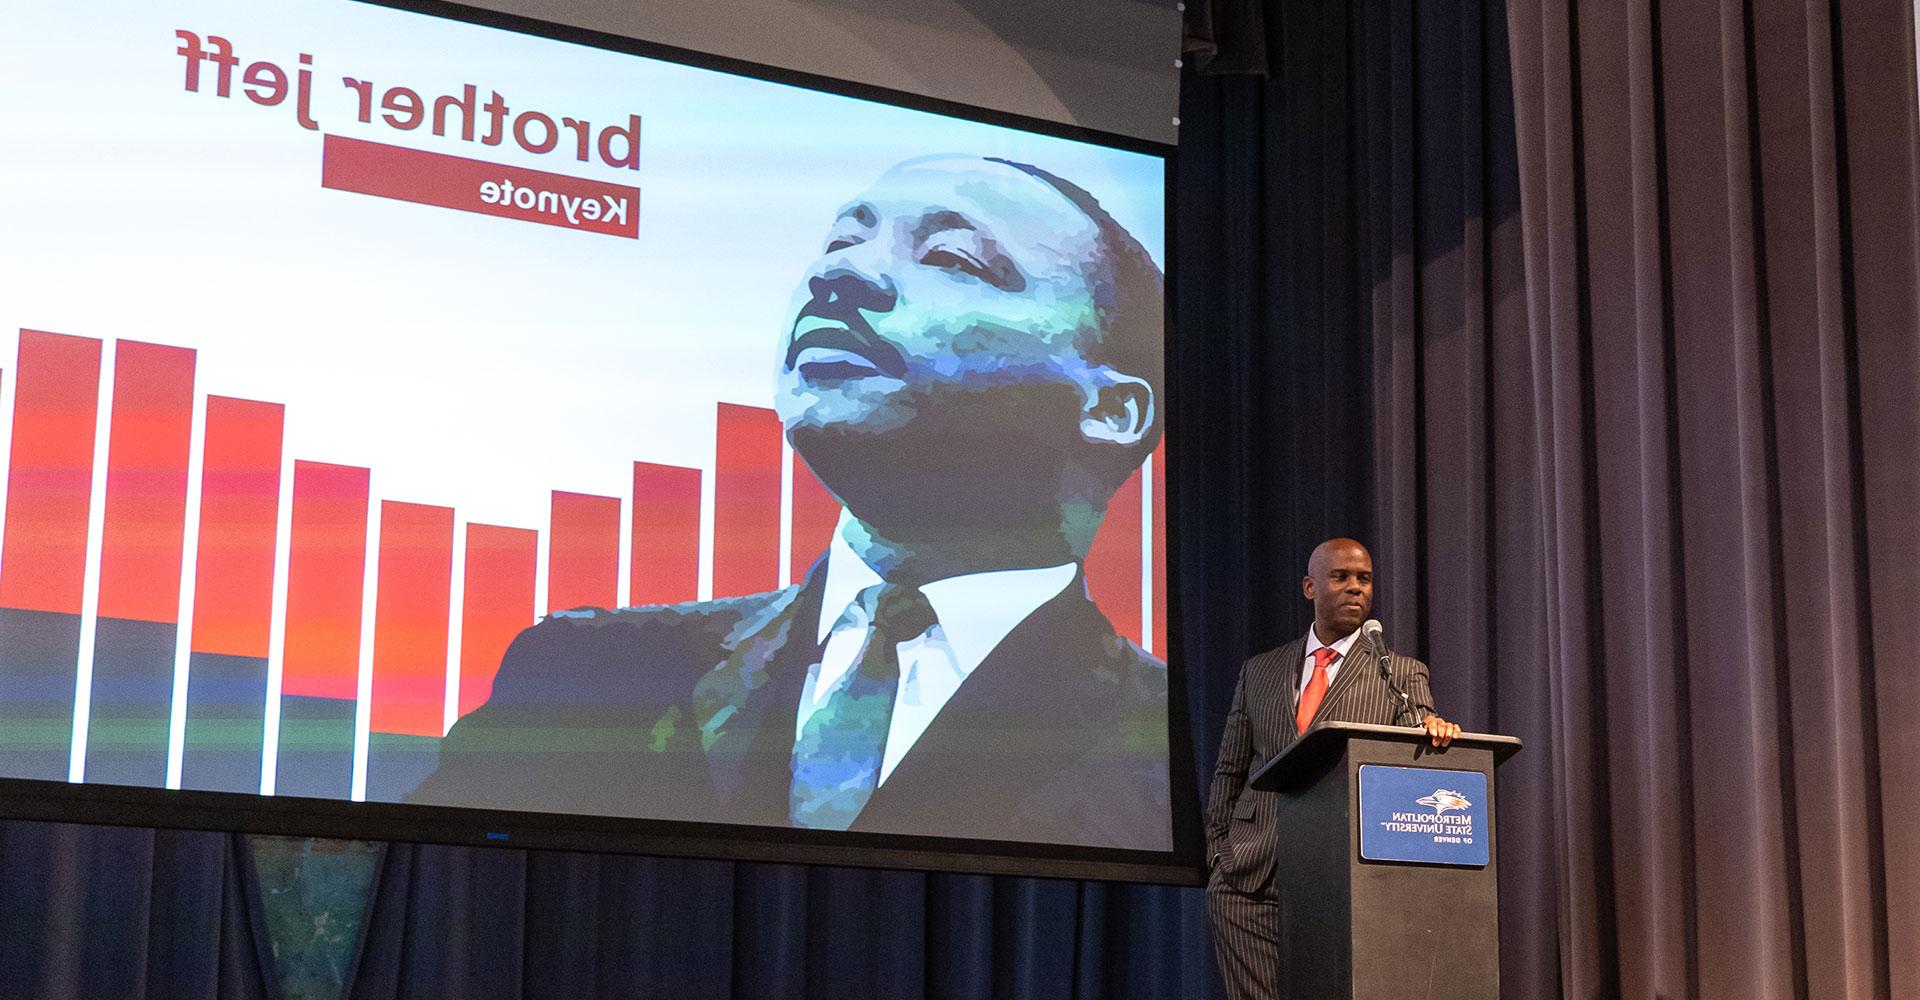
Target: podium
pixel 1387 875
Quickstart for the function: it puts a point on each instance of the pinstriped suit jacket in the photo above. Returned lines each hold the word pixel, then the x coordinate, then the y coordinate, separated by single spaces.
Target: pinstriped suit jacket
pixel 1241 837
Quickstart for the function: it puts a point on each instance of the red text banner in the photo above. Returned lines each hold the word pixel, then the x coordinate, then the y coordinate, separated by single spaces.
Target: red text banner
pixel 478 186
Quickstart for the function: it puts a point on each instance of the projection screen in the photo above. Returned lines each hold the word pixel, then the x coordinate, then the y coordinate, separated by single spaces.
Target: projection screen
pixel 426 423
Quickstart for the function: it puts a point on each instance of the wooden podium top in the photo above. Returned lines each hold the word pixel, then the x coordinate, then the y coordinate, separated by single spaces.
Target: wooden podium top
pixel 1324 739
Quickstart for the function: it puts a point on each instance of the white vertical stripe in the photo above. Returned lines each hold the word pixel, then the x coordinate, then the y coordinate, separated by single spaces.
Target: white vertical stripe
pixel 456 612
pixel 786 513
pixel 623 586
pixel 277 621
pixel 90 585
pixel 189 568
pixel 1147 580
pixel 541 554
pixel 369 594
pixel 703 584
pixel 8 377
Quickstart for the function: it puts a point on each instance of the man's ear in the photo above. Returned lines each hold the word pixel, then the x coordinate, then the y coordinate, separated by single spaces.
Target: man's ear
pixel 1306 587
pixel 1116 408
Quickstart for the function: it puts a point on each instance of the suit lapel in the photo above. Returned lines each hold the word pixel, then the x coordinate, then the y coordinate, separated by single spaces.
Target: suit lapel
pixel 1360 659
pixel 745 705
pixel 1286 660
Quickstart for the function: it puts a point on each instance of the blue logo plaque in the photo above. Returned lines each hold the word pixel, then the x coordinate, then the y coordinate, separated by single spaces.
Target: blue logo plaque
pixel 1424 815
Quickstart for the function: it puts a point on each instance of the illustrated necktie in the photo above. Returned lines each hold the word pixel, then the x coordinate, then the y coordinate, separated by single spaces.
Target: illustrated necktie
pixel 836 760
pixel 1316 687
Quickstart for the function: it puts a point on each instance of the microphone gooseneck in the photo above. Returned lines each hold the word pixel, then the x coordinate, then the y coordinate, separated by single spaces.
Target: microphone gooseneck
pixel 1376 638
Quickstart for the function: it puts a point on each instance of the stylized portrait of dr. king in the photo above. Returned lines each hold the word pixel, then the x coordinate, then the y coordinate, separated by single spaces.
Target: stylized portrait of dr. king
pixel 972 369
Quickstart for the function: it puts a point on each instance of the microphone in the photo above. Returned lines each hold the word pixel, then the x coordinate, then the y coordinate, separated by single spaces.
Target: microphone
pixel 1376 637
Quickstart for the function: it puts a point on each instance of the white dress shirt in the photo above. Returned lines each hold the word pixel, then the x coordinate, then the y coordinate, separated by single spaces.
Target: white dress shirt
pixel 1341 646
pixel 974 612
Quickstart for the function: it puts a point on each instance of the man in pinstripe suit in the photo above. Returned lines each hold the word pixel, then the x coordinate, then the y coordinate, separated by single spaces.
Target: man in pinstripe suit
pixel 1327 675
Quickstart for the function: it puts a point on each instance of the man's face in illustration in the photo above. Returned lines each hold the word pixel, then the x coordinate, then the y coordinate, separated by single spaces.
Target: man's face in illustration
pixel 946 326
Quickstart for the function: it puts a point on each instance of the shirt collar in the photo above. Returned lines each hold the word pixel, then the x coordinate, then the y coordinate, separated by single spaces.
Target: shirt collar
pixel 975 610
pixel 1340 645
pixel 847 576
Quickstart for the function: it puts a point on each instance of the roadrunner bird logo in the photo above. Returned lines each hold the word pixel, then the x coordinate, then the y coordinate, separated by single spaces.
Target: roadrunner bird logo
pixel 1442 800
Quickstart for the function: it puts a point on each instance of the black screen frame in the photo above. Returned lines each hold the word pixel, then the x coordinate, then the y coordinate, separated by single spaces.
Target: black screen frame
pixel 125 805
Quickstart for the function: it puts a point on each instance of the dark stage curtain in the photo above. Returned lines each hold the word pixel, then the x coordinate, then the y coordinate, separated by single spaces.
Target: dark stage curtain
pixel 451 922
pixel 113 913
pixel 1653 509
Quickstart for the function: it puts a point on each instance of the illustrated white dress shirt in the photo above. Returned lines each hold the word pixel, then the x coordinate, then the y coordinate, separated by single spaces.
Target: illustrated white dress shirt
pixel 974 613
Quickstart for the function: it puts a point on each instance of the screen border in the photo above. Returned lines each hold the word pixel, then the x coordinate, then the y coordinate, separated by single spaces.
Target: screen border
pixel 125 805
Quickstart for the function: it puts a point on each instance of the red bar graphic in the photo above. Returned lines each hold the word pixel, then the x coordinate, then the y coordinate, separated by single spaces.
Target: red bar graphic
pixel 666 534
pixel 583 552
pixel 410 618
pixel 1162 573
pixel 326 566
pixel 478 186
pixel 498 603
pixel 815 513
pixel 746 501
pixel 239 505
pixel 146 504
pixel 1113 563
pixel 50 478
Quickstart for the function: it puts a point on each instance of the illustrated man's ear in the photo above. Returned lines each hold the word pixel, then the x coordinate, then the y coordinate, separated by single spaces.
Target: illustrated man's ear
pixel 1117 408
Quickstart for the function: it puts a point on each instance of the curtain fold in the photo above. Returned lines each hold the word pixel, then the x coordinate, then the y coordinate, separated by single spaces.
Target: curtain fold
pixel 1659 504
pixel 458 922
pixel 112 912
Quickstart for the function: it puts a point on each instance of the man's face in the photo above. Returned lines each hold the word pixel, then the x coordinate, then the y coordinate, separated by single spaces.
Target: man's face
pixel 947 283
pixel 1339 582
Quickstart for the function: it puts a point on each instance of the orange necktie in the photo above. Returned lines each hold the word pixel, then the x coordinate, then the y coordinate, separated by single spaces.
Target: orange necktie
pixel 1316 687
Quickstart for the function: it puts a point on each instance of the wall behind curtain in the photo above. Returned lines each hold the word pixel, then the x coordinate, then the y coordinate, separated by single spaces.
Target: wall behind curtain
pixel 1656 512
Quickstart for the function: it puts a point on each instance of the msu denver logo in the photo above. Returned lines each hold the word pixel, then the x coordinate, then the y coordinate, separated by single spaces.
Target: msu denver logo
pixel 1442 800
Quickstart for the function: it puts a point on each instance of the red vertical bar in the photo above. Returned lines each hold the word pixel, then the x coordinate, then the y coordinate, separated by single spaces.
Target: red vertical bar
pixel 666 534
pixel 746 501
pixel 239 508
pixel 1113 563
pixel 583 552
pixel 1162 572
pixel 326 573
pixel 410 619
pixel 50 479
pixel 498 603
pixel 151 428
pixel 815 513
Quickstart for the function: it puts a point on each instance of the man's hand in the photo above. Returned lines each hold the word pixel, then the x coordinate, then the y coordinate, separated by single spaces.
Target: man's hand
pixel 1441 730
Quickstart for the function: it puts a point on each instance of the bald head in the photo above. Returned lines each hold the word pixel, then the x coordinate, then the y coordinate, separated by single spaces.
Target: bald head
pixel 1339 582
pixel 1323 554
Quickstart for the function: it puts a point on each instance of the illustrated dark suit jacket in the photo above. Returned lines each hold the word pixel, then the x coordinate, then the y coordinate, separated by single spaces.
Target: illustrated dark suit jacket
pixel 686 712
pixel 1241 836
